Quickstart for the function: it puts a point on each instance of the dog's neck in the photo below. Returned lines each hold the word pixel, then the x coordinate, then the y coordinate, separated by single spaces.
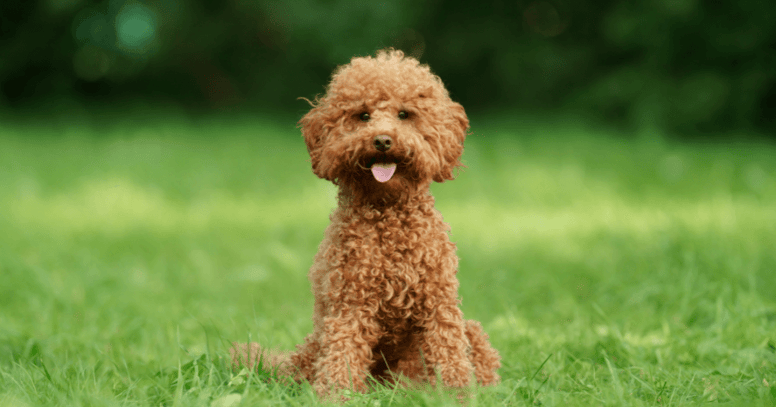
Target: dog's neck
pixel 376 203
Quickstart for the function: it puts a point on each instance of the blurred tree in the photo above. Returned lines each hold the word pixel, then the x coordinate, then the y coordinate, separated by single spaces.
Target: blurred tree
pixel 683 65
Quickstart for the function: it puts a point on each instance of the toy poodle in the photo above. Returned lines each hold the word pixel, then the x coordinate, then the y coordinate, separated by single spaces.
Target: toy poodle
pixel 384 278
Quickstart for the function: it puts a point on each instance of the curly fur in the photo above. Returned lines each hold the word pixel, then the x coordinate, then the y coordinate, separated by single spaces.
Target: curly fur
pixel 386 294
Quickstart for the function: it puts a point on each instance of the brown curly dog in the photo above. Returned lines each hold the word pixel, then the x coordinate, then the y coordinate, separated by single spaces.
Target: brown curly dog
pixel 386 294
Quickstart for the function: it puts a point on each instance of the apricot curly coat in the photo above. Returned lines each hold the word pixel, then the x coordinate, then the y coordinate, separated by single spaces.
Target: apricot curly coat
pixel 386 294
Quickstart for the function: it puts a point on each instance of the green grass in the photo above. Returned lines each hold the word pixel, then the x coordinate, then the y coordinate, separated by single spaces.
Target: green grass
pixel 607 270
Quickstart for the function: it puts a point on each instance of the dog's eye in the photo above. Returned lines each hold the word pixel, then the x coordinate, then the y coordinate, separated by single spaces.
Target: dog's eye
pixel 364 117
pixel 403 115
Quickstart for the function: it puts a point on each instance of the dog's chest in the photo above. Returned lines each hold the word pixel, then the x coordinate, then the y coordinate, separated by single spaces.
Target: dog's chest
pixel 391 261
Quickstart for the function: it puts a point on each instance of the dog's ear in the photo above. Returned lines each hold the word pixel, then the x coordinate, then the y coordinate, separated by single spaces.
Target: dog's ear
pixel 313 126
pixel 457 126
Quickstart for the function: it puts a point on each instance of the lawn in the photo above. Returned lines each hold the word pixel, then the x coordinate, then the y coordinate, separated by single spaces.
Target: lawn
pixel 608 268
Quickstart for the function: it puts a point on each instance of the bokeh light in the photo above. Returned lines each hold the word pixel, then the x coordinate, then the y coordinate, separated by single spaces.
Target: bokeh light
pixel 92 27
pixel 135 28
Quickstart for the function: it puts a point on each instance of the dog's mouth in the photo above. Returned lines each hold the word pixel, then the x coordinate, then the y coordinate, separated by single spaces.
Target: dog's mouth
pixel 383 171
pixel 383 166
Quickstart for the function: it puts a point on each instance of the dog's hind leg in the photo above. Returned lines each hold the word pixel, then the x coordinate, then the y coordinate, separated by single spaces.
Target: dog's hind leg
pixel 485 359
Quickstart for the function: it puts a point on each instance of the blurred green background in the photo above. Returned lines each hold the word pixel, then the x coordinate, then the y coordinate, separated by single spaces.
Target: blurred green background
pixel 693 68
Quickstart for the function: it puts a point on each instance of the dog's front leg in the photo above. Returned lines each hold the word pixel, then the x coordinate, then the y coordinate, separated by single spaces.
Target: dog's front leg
pixel 346 346
pixel 444 346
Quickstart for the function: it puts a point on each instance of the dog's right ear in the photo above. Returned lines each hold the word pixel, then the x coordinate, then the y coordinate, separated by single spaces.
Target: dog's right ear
pixel 313 128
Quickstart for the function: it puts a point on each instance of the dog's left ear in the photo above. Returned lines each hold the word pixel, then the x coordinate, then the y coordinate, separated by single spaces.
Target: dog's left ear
pixel 457 126
pixel 313 125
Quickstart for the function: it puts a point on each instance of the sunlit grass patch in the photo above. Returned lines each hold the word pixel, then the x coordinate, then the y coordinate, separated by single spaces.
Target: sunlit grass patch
pixel 511 226
pixel 118 206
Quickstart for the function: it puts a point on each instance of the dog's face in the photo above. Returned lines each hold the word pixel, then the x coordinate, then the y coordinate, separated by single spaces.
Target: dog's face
pixel 385 127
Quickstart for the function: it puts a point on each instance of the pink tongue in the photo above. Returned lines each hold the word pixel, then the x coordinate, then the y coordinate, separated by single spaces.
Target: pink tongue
pixel 383 171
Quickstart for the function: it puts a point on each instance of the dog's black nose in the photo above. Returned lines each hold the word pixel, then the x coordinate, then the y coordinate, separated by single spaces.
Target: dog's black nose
pixel 382 143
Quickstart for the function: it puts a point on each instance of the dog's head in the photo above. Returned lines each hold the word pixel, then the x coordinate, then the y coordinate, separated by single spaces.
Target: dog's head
pixel 385 128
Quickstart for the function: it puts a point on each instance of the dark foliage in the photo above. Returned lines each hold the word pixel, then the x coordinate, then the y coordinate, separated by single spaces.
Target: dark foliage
pixel 681 65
